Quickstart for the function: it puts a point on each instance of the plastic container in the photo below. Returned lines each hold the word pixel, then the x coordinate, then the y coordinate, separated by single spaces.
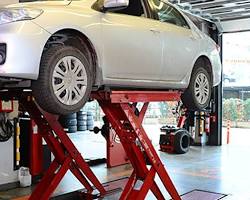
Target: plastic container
pixel 24 177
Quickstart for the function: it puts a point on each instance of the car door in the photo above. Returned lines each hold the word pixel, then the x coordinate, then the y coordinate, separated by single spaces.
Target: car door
pixel 132 47
pixel 181 44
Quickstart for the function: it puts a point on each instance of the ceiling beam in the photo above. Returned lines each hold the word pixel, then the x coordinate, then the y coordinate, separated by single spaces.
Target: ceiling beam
pixel 225 9
pixel 218 9
pixel 192 1
pixel 230 18
pixel 237 13
pixel 215 3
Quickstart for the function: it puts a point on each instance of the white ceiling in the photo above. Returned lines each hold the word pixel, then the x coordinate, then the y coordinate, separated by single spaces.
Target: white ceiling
pixel 224 10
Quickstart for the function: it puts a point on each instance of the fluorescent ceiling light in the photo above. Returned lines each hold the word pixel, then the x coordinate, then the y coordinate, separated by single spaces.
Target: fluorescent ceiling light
pixel 245 14
pixel 229 4
pixel 238 9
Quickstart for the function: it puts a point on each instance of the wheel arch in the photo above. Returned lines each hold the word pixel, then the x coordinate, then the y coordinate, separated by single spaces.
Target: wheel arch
pixel 188 98
pixel 80 41
pixel 204 61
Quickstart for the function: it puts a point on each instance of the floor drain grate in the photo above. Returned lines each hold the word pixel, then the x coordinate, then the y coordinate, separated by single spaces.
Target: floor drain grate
pixel 201 194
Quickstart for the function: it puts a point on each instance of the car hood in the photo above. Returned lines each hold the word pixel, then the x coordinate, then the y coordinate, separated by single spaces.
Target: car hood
pixel 41 4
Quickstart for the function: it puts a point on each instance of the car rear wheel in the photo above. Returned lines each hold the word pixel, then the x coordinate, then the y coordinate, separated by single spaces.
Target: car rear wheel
pixel 198 94
pixel 64 82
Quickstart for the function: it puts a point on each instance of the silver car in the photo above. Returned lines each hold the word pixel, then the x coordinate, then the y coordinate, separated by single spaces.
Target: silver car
pixel 67 49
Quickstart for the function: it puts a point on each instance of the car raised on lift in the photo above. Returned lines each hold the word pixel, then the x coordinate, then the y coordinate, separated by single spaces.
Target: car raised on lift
pixel 67 49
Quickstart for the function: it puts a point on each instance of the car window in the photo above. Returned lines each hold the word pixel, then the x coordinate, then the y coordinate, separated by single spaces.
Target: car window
pixel 134 8
pixel 169 14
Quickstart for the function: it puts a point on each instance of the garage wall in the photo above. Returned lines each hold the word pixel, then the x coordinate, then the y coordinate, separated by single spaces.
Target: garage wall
pixel 7 173
pixel 6 2
pixel 8 176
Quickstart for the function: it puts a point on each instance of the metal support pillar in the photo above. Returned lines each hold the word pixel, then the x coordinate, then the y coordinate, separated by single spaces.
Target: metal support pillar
pixel 215 138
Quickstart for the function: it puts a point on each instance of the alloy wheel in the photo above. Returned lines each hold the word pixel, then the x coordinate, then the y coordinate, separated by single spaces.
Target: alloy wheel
pixel 69 80
pixel 202 88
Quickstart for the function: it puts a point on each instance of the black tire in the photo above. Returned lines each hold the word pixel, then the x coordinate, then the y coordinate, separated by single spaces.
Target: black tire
pixel 90 128
pixel 81 123
pixel 70 116
pixel 43 87
pixel 82 128
pixel 72 129
pixel 189 99
pixel 80 113
pixel 66 124
pixel 181 141
pixel 82 116
pixel 6 130
pixel 89 113
pixel 90 118
pixel 90 123
pixel 70 122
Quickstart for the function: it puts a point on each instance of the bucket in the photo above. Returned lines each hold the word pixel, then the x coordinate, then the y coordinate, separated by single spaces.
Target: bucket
pixel 24 177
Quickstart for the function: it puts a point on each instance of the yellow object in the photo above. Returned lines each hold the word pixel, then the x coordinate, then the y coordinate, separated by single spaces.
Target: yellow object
pixel 18 144
pixel 18 157
pixel 18 131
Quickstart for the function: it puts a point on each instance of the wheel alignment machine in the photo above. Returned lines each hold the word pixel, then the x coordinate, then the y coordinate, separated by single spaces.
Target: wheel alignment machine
pixel 121 114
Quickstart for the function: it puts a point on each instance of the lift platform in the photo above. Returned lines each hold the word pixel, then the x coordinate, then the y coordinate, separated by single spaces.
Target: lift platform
pixel 120 110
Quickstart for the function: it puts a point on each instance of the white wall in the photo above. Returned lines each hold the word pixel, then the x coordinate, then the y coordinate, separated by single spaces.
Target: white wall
pixel 6 2
pixel 7 173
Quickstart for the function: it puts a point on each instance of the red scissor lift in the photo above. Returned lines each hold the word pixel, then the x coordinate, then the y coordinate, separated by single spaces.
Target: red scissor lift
pixel 119 108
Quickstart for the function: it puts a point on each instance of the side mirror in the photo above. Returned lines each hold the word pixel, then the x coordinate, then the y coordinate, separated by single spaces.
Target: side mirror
pixel 115 4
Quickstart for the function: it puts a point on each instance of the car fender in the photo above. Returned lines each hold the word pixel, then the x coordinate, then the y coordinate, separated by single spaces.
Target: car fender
pixel 79 18
pixel 25 42
pixel 211 51
pixel 214 60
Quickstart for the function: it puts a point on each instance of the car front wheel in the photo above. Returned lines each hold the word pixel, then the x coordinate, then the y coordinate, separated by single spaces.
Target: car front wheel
pixel 64 82
pixel 198 94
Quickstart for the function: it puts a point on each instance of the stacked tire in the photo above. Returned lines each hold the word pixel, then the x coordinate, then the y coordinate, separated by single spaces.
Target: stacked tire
pixel 82 121
pixel 90 121
pixel 69 122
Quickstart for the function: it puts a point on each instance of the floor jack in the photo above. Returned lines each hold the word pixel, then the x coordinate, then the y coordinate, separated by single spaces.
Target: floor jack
pixel 119 108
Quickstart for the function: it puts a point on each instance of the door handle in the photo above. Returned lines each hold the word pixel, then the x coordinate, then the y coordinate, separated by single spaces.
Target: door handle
pixel 153 30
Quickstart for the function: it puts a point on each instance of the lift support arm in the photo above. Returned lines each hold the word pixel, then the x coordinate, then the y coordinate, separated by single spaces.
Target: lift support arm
pixel 119 108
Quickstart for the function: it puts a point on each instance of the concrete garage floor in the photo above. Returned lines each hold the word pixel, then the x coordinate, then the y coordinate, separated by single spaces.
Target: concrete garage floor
pixel 217 169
